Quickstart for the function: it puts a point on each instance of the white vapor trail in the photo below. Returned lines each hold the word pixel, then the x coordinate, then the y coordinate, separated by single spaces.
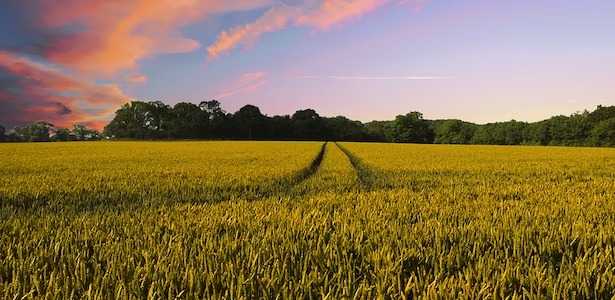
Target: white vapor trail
pixel 377 77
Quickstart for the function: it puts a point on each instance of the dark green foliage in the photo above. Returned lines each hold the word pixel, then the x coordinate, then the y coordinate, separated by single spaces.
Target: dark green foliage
pixel 341 128
pixel 453 132
pixel 379 131
pixel 412 128
pixel 83 133
pixel 35 132
pixel 308 125
pixel 63 135
pixel 188 120
pixel 603 134
pixel 250 122
pixel 537 133
pixel 601 113
pixel 504 133
pixel 156 120
pixel 580 129
pixel 570 131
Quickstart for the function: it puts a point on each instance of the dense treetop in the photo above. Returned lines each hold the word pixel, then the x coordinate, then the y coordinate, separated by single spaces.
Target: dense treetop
pixel 208 120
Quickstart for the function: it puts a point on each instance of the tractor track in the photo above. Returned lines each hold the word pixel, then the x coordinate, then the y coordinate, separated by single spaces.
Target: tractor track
pixel 366 176
pixel 308 172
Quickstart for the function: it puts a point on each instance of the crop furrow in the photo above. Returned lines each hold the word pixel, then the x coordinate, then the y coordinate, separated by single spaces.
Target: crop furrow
pixel 366 176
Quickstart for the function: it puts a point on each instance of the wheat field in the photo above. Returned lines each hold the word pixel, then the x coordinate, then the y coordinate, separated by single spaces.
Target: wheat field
pixel 305 220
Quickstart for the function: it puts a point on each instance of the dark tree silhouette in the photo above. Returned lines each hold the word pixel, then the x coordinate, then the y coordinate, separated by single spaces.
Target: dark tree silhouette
pixel 83 133
pixel 63 135
pixel 251 123
pixel 188 121
pixel 603 134
pixel 35 132
pixel 308 125
pixel 156 120
pixel 453 132
pixel 412 128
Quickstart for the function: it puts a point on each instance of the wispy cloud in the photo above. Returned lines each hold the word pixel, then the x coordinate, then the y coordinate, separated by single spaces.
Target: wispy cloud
pixel 319 14
pixel 336 77
pixel 274 19
pixel 136 78
pixel 245 83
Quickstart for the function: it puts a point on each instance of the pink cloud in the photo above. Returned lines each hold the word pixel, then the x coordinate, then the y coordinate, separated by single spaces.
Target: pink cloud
pixel 137 79
pixel 331 12
pixel 273 20
pixel 35 92
pixel 321 15
pixel 114 35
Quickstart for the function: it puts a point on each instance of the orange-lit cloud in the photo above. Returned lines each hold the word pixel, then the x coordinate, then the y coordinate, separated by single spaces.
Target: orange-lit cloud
pixel 35 92
pixel 320 14
pixel 331 12
pixel 114 35
pixel 245 83
pixel 273 20
pixel 137 79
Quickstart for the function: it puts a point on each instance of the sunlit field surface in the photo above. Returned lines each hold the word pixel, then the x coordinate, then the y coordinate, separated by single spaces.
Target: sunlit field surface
pixel 296 220
pixel 93 174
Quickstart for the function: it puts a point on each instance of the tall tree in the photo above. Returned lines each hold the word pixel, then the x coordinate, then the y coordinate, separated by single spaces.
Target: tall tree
pixel 188 121
pixel 343 129
pixel 603 134
pixel 380 131
pixel 250 121
pixel 35 132
pixel 308 125
pixel 537 133
pixel 573 130
pixel 62 135
pixel 219 124
pixel 280 127
pixel 83 133
pixel 601 113
pixel 140 120
pixel 161 118
pixel 412 128
pixel 453 132
pixel 2 133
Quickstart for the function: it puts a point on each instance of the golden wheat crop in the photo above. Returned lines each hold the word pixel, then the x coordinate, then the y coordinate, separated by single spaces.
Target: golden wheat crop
pixel 93 174
pixel 300 220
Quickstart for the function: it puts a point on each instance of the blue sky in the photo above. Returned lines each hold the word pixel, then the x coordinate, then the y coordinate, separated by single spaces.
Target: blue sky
pixel 480 61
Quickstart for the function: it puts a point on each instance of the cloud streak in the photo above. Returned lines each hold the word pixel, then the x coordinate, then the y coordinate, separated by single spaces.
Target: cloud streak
pixel 246 82
pixel 274 19
pixel 333 77
pixel 318 14
pixel 30 91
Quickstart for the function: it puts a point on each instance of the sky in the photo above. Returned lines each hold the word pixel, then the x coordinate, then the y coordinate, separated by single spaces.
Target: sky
pixel 77 61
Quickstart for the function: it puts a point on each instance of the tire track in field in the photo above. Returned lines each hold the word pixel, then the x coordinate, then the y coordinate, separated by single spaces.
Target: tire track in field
pixel 287 185
pixel 366 176
pixel 308 172
pixel 279 187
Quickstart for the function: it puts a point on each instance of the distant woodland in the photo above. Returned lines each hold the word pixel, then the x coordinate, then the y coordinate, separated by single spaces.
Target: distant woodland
pixel 156 120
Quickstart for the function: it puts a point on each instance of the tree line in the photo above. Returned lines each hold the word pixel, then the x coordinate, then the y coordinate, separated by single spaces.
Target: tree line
pixel 42 131
pixel 208 120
